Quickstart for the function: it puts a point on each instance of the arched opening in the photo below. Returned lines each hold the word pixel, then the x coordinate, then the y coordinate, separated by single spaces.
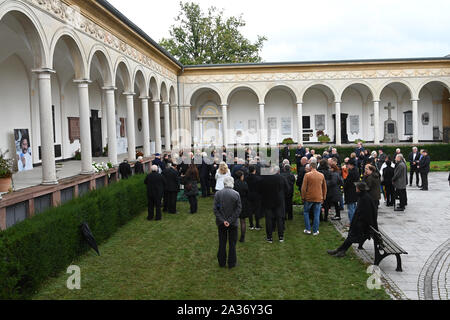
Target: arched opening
pixel 101 76
pixel 396 113
pixel 206 118
pixel 318 108
pixel 434 112
pixel 357 115
pixel 141 124
pixel 242 116
pixel 21 51
pixel 280 112
pixel 123 87
pixel 68 63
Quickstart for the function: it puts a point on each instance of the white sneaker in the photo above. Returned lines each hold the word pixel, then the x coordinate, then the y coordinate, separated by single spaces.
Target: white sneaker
pixel 316 234
pixel 307 232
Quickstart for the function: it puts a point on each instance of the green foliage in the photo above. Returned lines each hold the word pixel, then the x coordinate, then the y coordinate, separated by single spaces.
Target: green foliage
pixel 288 141
pixel 200 38
pixel 5 165
pixel 437 152
pixel 324 138
pixel 44 245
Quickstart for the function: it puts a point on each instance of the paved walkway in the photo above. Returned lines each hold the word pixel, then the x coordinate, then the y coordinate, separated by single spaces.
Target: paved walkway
pixel 66 169
pixel 423 230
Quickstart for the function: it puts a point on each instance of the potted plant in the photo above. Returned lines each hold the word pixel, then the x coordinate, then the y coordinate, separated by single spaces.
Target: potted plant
pixel 5 172
pixel 288 141
pixel 322 137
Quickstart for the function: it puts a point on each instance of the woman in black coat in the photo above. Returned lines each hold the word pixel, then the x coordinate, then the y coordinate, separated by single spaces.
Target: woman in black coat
pixel 334 195
pixel 190 181
pixel 242 188
pixel 365 217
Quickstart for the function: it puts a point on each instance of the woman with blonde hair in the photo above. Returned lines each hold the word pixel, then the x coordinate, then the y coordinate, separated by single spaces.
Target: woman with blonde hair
pixel 221 173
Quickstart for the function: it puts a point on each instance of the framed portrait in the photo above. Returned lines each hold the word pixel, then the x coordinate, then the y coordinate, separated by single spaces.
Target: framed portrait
pixel 23 150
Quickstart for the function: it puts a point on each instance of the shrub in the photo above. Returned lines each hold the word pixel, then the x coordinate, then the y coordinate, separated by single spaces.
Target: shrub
pixel 44 245
pixel 288 141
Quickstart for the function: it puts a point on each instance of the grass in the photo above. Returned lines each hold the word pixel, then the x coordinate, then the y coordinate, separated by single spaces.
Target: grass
pixel 176 259
pixel 437 166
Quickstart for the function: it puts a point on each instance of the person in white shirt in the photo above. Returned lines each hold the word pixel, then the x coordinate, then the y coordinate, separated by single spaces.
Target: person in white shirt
pixel 221 174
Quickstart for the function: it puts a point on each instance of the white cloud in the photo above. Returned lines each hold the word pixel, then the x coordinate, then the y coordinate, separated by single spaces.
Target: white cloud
pixel 320 29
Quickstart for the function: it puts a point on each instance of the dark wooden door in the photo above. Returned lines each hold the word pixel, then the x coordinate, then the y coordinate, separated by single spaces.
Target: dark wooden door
pixel 344 135
pixel 96 134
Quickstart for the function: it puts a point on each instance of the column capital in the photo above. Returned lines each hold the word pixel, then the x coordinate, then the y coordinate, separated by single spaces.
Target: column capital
pixel 43 71
pixel 224 105
pixel 109 88
pixel 338 101
pixel 174 106
pixel 156 101
pixel 129 94
pixel 299 102
pixel 144 97
pixel 82 81
pixel 412 100
pixel 375 101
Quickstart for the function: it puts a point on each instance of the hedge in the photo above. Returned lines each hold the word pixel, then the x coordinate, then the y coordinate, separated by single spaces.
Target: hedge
pixel 43 246
pixel 437 152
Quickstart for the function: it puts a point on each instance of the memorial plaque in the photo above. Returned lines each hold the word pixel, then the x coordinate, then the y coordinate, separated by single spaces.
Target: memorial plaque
pixel 74 129
pixel 252 126
pixel 286 126
pixel 391 128
pixel 320 121
pixel 354 124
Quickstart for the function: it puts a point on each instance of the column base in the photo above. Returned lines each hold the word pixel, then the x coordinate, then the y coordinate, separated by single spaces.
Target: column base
pixel 87 173
pixel 49 183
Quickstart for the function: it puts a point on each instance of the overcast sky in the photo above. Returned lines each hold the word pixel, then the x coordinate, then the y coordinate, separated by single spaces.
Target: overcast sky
pixel 299 30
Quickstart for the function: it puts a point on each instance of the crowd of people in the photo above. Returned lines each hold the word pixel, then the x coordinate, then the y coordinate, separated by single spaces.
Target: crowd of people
pixel 252 188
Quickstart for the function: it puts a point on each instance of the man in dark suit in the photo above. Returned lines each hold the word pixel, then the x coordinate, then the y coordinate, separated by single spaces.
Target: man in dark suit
pixel 155 189
pixel 204 170
pixel 424 169
pixel 289 194
pixel 125 169
pixel 172 187
pixel 138 166
pixel 413 159
pixel 272 193
pixel 299 154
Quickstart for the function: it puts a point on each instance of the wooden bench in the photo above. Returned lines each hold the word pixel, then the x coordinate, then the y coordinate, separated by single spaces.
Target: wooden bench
pixel 385 246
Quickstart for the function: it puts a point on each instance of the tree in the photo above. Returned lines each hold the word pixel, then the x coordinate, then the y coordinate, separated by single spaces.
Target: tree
pixel 210 39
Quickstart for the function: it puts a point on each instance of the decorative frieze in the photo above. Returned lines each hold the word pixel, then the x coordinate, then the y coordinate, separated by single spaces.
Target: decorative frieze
pixel 330 75
pixel 72 16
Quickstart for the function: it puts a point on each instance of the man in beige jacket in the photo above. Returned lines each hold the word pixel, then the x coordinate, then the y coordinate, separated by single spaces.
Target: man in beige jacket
pixel 314 193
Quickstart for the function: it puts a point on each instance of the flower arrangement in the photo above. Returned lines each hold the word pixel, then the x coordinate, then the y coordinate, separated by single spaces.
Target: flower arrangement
pixel 139 154
pixel 99 167
pixel 6 165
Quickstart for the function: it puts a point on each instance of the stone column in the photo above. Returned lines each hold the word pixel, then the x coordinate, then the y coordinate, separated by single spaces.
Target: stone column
pixel 262 127
pixel 175 125
pixel 225 124
pixel 376 121
pixel 145 126
pixel 130 126
pixel 415 120
pixel 46 127
pixel 167 139
pixel 85 126
pixel 157 116
pixel 300 121
pixel 111 120
pixel 338 123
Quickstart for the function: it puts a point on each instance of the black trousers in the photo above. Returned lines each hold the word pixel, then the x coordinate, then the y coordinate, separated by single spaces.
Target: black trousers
pixel 411 176
pixel 229 234
pixel 154 204
pixel 289 208
pixel 327 205
pixel 254 210
pixel 424 178
pixel 274 216
pixel 204 183
pixel 401 194
pixel 390 194
pixel 171 201
pixel 193 203
pixel 165 201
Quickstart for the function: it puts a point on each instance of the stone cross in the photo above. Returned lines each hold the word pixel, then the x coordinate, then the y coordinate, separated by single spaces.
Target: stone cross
pixel 389 108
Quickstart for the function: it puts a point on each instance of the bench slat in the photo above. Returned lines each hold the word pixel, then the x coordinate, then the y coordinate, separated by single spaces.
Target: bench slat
pixel 388 244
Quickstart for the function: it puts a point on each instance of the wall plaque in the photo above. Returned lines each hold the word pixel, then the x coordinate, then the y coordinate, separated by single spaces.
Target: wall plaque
pixel 354 124
pixel 74 129
pixel 286 126
pixel 320 121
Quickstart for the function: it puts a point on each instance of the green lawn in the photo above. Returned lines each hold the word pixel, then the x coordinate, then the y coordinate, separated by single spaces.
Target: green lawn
pixel 176 259
pixel 438 166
